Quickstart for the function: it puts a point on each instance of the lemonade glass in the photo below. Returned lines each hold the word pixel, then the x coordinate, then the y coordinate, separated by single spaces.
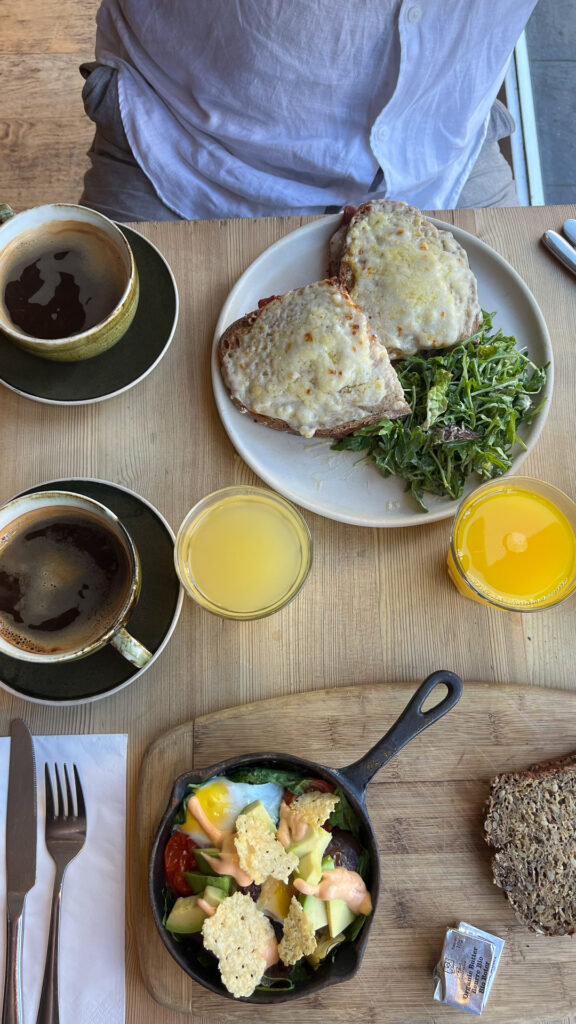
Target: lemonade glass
pixel 243 552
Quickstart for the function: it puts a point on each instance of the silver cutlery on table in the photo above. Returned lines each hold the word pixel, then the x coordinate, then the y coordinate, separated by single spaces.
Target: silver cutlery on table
pixel 20 859
pixel 65 836
pixel 569 229
pixel 561 249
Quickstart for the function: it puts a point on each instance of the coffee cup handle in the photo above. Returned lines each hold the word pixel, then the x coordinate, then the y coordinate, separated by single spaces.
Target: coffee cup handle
pixel 5 212
pixel 130 648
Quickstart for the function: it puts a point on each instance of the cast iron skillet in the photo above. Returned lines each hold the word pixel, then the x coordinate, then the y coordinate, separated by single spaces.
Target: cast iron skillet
pixel 353 781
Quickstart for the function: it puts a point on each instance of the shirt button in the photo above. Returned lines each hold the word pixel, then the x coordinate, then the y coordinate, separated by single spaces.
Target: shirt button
pixel 413 15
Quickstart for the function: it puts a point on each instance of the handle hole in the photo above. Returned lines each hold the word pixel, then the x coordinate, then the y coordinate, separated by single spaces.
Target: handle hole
pixel 433 699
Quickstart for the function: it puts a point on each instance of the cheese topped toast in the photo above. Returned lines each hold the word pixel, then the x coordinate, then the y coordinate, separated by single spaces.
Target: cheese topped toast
pixel 411 279
pixel 308 362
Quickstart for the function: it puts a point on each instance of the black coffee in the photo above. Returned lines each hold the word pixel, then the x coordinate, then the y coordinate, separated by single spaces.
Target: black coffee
pixel 62 279
pixel 64 578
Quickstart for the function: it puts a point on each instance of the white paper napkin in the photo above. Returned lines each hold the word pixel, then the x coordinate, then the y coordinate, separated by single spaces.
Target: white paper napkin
pixel 91 977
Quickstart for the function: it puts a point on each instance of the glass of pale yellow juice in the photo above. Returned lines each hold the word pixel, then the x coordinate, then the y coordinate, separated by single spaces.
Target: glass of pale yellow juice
pixel 513 545
pixel 243 552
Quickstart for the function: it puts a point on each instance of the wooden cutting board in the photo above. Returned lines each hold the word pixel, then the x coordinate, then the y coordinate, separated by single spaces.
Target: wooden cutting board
pixel 427 810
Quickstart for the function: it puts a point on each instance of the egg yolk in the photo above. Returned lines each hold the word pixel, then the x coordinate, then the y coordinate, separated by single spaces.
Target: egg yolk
pixel 214 800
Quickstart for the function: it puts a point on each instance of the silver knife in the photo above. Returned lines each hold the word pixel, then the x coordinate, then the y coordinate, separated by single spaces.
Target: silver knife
pixel 561 249
pixel 20 859
pixel 569 228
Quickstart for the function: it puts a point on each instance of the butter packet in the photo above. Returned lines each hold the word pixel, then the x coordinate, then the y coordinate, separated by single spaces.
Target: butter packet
pixel 463 977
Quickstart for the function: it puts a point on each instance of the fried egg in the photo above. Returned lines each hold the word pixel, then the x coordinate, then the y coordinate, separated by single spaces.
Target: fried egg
pixel 222 801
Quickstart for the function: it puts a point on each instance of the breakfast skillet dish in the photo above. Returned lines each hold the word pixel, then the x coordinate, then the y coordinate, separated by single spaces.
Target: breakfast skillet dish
pixel 267 876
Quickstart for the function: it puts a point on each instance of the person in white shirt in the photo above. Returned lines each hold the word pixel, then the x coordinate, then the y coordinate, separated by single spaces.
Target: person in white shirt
pixel 214 108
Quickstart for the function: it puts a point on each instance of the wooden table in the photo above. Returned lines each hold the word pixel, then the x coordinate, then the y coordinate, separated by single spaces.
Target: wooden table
pixel 378 606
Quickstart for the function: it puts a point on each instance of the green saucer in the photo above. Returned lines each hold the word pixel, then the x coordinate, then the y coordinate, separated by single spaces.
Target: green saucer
pixel 152 622
pixel 128 362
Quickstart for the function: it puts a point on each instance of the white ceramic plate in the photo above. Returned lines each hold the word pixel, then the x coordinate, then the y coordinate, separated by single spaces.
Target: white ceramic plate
pixel 343 485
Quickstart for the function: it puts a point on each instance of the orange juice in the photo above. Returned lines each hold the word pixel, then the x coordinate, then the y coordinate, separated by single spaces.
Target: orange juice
pixel 243 552
pixel 514 545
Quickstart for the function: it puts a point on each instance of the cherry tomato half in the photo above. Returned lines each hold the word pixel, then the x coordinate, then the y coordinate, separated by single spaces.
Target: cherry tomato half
pixel 178 858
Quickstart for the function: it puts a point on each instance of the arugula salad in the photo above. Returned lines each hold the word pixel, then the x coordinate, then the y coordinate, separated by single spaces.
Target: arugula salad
pixel 265 877
pixel 467 405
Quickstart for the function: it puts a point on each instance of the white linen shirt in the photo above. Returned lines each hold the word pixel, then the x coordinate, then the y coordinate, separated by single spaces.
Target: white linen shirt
pixel 238 108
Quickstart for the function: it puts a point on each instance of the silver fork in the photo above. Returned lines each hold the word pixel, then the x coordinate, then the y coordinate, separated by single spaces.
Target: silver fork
pixel 65 835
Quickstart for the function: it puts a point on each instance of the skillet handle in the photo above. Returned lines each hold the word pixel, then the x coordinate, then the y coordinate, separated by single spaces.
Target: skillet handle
pixel 410 723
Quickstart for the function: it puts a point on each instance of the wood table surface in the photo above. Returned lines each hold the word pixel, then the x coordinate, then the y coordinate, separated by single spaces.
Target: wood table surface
pixel 378 606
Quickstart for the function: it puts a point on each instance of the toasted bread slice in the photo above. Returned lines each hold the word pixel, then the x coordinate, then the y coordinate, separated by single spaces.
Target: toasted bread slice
pixel 308 362
pixel 531 823
pixel 412 280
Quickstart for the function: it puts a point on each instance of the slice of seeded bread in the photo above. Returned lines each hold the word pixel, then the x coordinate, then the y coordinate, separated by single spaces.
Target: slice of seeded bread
pixel 531 823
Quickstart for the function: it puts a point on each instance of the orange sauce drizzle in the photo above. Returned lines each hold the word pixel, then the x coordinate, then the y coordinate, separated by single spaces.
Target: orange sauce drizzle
pixel 270 952
pixel 206 907
pixel 227 863
pixel 339 883
pixel 215 834
pixel 291 828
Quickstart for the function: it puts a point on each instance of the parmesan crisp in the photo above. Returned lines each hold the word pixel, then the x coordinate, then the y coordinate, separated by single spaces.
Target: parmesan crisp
pixel 299 938
pixel 314 807
pixel 259 852
pixel 239 935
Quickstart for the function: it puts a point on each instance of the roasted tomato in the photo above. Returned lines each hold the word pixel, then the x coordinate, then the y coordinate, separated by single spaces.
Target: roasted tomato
pixel 322 785
pixel 178 858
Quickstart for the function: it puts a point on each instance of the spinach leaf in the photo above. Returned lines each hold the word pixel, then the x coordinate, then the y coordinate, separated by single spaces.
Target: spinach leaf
pixel 260 775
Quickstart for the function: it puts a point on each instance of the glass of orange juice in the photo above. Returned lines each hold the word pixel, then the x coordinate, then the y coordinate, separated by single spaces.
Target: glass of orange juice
pixel 513 545
pixel 243 552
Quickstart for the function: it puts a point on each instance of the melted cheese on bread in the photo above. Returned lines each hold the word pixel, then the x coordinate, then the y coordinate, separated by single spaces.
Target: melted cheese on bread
pixel 411 279
pixel 309 362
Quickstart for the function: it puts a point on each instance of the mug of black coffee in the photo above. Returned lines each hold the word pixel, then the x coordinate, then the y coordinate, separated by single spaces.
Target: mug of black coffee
pixel 69 579
pixel 68 281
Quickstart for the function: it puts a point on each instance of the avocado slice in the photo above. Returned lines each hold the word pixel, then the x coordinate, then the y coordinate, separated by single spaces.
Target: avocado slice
pixel 307 843
pixel 315 910
pixel 339 916
pixel 257 810
pixel 201 861
pixel 198 882
pixel 186 917
pixel 214 895
pixel 310 853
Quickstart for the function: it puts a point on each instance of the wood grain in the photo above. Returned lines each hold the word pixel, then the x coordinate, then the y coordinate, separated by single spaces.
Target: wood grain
pixel 378 605
pixel 427 809
pixel 44 132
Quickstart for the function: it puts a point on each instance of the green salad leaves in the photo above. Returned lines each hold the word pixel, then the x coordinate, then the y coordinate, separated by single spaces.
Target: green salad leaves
pixel 467 404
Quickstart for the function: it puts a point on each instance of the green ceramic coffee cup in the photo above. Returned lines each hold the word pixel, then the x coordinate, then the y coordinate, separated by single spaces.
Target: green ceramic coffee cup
pixel 70 579
pixel 68 281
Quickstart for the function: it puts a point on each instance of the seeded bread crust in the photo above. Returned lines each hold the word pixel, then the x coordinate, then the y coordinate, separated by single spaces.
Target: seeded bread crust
pixel 531 823
pixel 391 407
